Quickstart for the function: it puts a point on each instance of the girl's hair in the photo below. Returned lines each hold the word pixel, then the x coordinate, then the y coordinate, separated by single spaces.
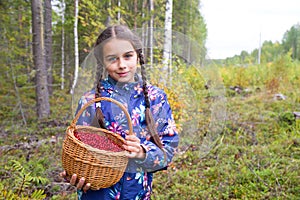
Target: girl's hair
pixel 124 33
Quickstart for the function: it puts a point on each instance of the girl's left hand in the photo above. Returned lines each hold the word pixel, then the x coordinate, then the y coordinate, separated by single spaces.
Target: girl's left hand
pixel 133 145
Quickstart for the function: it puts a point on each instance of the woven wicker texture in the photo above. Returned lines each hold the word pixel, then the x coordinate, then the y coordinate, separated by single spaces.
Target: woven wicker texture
pixel 101 168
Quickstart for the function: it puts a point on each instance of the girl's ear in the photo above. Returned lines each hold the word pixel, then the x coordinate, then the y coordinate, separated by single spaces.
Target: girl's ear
pixel 138 60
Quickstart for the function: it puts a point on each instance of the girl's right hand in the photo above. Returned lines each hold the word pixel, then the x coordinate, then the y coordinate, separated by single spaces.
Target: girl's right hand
pixel 80 184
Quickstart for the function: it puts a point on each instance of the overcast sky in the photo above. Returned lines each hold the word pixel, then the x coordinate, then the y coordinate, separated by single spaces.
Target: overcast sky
pixel 236 25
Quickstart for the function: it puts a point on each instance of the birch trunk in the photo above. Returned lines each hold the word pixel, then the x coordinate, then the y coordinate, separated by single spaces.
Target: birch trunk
pixel 151 9
pixel 62 75
pixel 145 31
pixel 42 94
pixel 119 11
pixel 76 47
pixel 167 51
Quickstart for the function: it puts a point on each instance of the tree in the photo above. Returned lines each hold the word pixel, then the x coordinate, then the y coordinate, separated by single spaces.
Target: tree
pixel 63 43
pixel 244 55
pixel 167 49
pixel 62 74
pixel 76 47
pixel 42 94
pixel 48 43
pixel 188 20
pixel 291 41
pixel 270 51
pixel 151 26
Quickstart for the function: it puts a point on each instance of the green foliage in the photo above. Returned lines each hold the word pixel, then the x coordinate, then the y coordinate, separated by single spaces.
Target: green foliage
pixel 91 20
pixel 21 184
pixel 252 163
pixel 270 51
pixel 189 21
pixel 277 77
pixel 286 119
pixel 258 157
pixel 291 42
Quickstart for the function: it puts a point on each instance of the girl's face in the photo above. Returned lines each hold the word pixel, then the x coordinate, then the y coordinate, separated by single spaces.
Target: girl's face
pixel 120 60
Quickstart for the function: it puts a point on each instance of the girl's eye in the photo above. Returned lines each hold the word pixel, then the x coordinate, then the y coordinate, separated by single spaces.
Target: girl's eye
pixel 129 55
pixel 112 59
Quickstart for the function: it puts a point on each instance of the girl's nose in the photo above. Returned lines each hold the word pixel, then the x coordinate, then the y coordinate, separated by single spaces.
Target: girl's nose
pixel 122 63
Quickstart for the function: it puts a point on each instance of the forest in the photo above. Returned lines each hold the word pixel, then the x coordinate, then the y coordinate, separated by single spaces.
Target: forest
pixel 243 112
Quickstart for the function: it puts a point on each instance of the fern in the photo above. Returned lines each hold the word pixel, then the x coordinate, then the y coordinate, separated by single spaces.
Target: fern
pixel 38 194
pixel 22 181
pixel 39 180
pixel 7 194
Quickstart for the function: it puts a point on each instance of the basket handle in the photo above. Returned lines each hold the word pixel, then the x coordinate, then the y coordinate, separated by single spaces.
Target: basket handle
pixel 74 121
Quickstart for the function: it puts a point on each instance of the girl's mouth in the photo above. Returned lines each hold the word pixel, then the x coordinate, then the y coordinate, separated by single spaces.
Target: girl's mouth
pixel 123 74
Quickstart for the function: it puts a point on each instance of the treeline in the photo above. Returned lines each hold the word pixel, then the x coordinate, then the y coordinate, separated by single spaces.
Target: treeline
pixel 68 29
pixel 42 41
pixel 270 51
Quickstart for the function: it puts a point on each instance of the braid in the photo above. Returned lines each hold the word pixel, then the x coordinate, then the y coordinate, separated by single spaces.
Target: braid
pixel 148 115
pixel 143 72
pixel 99 115
pixel 98 80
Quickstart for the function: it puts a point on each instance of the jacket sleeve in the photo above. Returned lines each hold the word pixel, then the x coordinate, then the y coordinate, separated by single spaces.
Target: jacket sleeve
pixel 166 129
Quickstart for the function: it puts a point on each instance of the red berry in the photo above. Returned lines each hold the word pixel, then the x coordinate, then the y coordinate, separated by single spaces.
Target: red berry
pixel 98 141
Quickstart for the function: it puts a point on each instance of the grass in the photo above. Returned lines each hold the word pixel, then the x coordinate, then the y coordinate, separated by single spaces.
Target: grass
pixel 258 156
pixel 257 159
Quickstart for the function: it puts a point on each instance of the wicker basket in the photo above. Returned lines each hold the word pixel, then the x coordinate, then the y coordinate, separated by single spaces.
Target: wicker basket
pixel 101 168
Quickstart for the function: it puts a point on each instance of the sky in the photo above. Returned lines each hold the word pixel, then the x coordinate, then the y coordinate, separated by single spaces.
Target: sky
pixel 237 25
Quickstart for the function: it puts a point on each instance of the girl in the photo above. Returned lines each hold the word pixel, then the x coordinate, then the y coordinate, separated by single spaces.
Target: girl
pixel 118 52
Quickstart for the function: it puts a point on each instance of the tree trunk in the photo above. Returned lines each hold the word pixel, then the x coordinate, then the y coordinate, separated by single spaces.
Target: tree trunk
pixel 42 95
pixel 76 47
pixel 151 9
pixel 108 19
pixel 119 11
pixel 62 75
pixel 167 51
pixel 144 30
pixel 48 43
pixel 135 15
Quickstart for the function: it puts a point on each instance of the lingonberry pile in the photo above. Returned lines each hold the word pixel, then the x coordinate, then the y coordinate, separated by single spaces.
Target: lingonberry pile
pixel 97 141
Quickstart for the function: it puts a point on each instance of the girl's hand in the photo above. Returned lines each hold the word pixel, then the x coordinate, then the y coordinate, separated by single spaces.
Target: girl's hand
pixel 80 184
pixel 133 145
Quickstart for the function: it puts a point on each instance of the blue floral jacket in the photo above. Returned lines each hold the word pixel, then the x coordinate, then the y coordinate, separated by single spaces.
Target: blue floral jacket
pixel 136 182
